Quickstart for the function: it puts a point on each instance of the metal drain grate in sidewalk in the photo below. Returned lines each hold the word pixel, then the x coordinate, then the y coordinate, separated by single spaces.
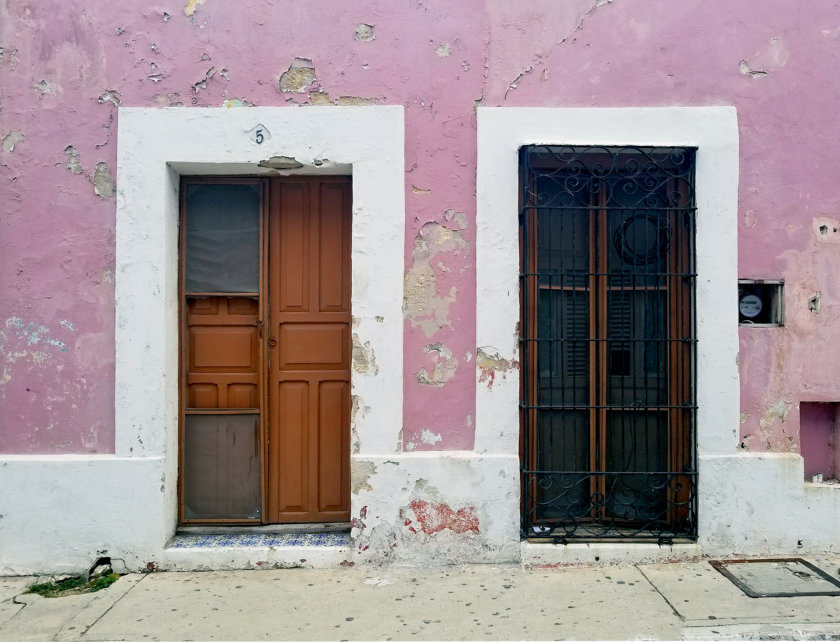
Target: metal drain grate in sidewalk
pixel 782 577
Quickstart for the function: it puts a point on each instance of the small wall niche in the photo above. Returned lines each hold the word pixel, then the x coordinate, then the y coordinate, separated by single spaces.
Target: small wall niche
pixel 760 303
pixel 818 439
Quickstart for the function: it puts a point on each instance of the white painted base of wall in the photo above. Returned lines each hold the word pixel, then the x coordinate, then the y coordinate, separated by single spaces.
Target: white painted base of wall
pixel 539 555
pixel 252 557
pixel 408 508
pixel 759 503
pixel 59 514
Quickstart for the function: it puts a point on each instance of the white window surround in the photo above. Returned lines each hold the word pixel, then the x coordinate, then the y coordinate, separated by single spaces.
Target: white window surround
pixel 156 147
pixel 714 131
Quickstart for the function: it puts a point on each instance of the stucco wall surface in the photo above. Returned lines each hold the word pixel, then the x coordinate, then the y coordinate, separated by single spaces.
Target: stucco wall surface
pixel 66 69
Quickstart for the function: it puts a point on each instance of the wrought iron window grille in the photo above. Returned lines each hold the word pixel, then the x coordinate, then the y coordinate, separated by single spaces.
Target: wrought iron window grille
pixel 607 342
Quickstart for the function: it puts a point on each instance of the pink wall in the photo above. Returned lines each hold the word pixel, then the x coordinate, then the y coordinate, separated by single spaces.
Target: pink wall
pixel 64 66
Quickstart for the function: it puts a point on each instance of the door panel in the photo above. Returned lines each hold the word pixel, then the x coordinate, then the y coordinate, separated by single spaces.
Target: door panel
pixel 223 354
pixel 309 350
pixel 221 467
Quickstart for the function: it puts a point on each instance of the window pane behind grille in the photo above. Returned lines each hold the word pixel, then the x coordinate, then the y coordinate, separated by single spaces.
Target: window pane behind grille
pixel 222 238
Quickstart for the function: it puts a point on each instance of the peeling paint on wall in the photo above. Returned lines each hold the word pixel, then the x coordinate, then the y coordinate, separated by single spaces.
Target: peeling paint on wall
pixel 445 365
pixel 360 475
pixel 103 184
pixel 73 164
pixel 444 50
pixel 189 8
pixel 46 88
pixel 489 363
pixel 434 517
pixel 110 96
pixel 423 305
pixel 826 229
pixel 364 32
pixel 298 77
pixel 770 58
pixel 364 359
pixel 357 410
pixel 11 139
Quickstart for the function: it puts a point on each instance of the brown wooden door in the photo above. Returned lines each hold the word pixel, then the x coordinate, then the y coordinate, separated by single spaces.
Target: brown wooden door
pixel 265 350
pixel 309 351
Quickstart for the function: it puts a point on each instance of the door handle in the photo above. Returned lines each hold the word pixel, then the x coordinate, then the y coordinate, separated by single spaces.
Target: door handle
pixel 272 342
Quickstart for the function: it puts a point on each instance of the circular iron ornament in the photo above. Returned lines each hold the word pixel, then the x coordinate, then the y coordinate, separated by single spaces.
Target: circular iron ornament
pixel 649 252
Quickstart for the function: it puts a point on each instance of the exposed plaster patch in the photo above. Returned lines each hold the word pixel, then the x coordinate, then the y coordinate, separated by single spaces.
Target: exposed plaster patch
pixel 299 75
pixel 360 474
pixel 103 183
pixel 779 410
pixel 420 190
pixel 281 162
pixel 191 6
pixel 429 438
pixel 46 88
pixel 357 410
pixel 236 102
pixel 444 50
pixel 379 537
pixel 364 32
pixel 364 359
pixel 745 69
pixel 827 230
pixel 355 101
pixel 445 365
pixel 458 217
pixel 155 75
pixel 73 163
pixel 11 139
pixel 422 304
pixel 13 57
pixel 489 362
pixel 814 303
pixel 319 98
pixel 110 96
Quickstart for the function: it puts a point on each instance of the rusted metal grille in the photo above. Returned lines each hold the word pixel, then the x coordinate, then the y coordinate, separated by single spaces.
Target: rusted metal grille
pixel 607 342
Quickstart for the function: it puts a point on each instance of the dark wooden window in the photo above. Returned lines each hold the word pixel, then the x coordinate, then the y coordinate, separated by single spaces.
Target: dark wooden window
pixel 607 287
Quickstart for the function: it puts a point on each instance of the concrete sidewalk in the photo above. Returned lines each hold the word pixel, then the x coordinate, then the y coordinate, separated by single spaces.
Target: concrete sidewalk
pixel 660 601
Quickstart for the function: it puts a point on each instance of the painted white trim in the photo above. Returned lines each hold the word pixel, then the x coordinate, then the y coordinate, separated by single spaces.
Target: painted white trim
pixel 714 131
pixel 156 147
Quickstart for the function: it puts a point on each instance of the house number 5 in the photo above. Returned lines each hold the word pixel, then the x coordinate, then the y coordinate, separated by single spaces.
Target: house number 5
pixel 259 134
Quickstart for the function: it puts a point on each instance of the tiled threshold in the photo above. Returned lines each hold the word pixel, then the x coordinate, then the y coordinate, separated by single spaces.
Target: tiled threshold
pixel 238 540
pixel 260 547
